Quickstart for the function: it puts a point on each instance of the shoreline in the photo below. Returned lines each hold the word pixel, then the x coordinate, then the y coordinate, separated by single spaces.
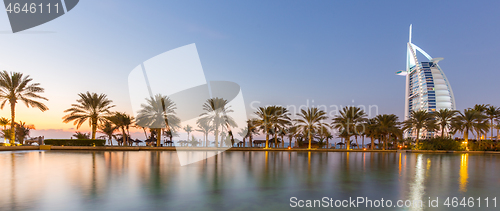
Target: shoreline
pixel 144 148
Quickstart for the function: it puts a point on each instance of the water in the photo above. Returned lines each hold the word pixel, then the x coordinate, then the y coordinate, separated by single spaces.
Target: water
pixel 143 180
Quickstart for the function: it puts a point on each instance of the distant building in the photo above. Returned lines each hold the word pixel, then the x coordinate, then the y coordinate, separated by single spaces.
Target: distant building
pixel 427 87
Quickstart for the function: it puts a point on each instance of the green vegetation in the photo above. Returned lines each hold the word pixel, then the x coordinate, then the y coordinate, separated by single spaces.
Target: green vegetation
pixel 217 113
pixel 16 87
pixel 92 107
pixel 158 114
pixel 75 142
pixel 441 144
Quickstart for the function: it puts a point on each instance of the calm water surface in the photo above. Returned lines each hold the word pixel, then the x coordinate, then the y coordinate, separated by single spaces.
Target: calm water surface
pixel 55 180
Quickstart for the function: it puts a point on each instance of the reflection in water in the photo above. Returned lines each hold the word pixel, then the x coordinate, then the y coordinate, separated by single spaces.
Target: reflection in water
pixel 464 172
pixel 417 186
pixel 400 161
pixel 155 180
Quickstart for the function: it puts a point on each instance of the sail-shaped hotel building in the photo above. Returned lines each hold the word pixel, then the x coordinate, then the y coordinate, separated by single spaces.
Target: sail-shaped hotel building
pixel 427 87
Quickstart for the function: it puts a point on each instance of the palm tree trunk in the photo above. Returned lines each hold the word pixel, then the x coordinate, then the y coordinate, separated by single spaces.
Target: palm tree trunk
pixel 128 134
pixel 491 138
pixel 363 141
pixel 267 141
pixel 497 134
pixel 94 127
pixel 384 142
pixel 250 140
pixel 12 122
pixel 275 138
pixel 124 137
pixel 290 141
pixel 310 139
pixel 418 136
pixel 110 140
pixel 328 143
pixel 216 138
pixel 373 142
pixel 466 137
pixel 356 138
pixel 158 136
pixel 348 142
pixel 145 134
pixel 442 131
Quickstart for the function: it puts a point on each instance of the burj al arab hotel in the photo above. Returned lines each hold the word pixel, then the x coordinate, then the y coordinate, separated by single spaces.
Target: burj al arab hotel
pixel 427 87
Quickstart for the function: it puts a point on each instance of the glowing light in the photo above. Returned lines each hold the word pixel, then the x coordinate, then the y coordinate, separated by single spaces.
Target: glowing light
pixel 464 174
pixel 289 147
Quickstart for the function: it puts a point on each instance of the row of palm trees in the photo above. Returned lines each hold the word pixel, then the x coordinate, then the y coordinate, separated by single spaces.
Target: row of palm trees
pixel 353 122
pixel 158 114
pixel 20 132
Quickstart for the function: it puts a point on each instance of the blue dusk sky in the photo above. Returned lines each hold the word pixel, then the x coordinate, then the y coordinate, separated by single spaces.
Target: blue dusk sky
pixel 280 52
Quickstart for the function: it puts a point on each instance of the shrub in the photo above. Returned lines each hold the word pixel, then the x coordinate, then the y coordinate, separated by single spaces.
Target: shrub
pixel 483 145
pixel 75 142
pixel 441 144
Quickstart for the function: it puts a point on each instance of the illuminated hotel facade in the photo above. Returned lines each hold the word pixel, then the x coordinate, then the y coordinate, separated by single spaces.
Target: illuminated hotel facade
pixel 427 87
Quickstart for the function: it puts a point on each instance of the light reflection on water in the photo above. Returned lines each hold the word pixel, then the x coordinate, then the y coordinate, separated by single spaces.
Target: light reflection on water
pixel 464 176
pixel 55 180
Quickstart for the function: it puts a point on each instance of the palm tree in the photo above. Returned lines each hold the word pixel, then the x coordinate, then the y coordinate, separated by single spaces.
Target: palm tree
pixel 492 113
pixel 325 134
pixel 4 122
pixel 468 120
pixel 14 87
pixel 7 133
pixel 217 113
pixel 417 121
pixel 252 126
pixel 244 133
pixel 91 106
pixel 482 109
pixel 371 131
pixel 80 135
pixel 291 132
pixel 497 127
pixel 204 127
pixel 188 130
pixel 280 122
pixel 444 117
pixel 347 120
pixel 170 134
pixel 23 130
pixel 108 129
pixel 123 121
pixel 310 121
pixel 158 113
pixel 269 118
pixel 455 126
pixel 386 126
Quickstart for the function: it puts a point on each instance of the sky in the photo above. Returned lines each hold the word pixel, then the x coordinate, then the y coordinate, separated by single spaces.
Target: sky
pixel 332 53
